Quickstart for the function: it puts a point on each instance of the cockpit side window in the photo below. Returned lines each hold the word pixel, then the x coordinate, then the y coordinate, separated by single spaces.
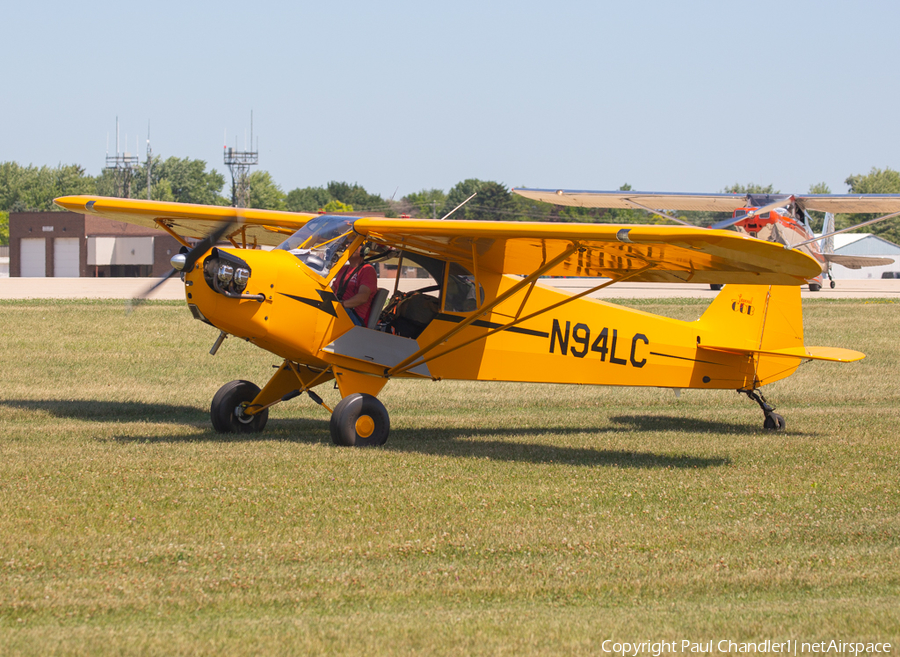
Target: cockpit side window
pixel 461 296
pixel 321 242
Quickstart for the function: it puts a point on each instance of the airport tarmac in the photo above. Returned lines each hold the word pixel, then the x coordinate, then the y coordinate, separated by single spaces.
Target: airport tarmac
pixel 128 288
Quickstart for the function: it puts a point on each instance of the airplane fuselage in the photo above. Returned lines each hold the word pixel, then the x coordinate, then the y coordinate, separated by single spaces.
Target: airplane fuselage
pixel 291 311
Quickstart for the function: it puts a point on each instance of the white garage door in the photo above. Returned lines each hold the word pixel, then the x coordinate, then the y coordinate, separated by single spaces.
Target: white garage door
pixel 33 262
pixel 66 253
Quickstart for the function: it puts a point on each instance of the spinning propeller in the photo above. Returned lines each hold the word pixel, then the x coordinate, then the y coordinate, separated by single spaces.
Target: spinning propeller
pixel 184 262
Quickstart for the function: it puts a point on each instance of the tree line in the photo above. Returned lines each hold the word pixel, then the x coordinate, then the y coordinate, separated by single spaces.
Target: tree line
pixel 183 180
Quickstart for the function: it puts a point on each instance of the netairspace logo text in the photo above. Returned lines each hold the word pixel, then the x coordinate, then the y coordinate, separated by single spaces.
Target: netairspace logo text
pixel 726 646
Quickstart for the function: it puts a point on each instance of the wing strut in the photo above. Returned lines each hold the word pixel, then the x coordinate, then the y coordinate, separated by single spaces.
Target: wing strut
pixel 405 363
pixel 844 230
pixel 162 225
pixel 534 314
pixel 660 213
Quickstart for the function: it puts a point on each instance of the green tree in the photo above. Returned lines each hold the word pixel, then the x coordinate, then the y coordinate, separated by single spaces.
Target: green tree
pixel 337 206
pixel 877 181
pixel 177 179
pixel 356 196
pixel 4 228
pixel 34 188
pixel 819 188
pixel 264 193
pixel 752 188
pixel 160 188
pixel 426 203
pixel 493 203
pixel 308 199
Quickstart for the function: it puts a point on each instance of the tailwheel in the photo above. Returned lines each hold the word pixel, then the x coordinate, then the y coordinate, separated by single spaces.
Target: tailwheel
pixel 360 420
pixel 227 410
pixel 773 421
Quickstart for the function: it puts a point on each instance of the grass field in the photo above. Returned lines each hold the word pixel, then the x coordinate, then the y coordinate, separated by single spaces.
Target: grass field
pixel 499 519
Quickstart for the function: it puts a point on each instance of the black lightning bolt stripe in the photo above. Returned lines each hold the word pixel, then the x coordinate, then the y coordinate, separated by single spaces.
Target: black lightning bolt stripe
pixel 325 304
pixel 456 319
pixel 693 360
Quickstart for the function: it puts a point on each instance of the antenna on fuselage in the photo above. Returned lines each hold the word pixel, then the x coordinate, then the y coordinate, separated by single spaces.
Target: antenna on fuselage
pixel 459 206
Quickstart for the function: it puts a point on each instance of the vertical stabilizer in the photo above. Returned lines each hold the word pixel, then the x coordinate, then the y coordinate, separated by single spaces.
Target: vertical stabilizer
pixel 827 244
pixel 756 319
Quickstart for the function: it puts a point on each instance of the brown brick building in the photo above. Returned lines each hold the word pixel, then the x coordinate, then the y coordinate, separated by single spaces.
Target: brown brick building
pixel 65 244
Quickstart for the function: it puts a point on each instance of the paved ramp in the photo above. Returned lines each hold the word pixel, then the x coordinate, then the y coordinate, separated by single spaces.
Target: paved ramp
pixel 128 288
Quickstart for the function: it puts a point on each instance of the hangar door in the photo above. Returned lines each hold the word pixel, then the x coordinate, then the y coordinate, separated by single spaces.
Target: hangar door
pixel 66 256
pixel 32 257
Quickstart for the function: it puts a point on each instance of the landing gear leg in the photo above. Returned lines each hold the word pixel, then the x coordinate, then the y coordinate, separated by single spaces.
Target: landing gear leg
pixel 773 421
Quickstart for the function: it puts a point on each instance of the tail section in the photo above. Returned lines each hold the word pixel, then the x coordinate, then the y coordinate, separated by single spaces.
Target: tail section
pixel 827 228
pixel 765 322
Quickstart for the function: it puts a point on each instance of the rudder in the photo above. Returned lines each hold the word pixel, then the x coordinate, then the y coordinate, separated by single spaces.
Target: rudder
pixel 757 319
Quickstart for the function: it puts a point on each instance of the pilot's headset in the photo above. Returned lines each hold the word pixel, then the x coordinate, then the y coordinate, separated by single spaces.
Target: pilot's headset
pixel 365 250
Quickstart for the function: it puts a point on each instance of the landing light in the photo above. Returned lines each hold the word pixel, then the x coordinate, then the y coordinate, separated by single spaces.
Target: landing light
pixel 241 276
pixel 225 273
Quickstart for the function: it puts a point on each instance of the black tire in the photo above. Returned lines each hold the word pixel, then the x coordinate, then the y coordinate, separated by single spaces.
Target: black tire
pixel 814 287
pixel 833 284
pixel 716 286
pixel 224 410
pixel 360 420
pixel 774 422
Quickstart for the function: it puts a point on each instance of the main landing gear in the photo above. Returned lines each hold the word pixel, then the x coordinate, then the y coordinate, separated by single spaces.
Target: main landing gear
pixel 359 420
pixel 228 407
pixel 773 421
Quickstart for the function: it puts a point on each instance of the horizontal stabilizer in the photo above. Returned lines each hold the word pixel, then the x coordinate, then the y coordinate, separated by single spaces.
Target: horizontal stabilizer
pixel 835 354
pixel 857 262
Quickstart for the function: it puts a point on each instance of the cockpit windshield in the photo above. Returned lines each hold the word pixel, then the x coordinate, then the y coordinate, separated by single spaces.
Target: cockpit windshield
pixel 321 242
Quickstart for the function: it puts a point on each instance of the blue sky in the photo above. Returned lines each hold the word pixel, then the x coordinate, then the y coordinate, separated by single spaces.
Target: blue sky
pixel 687 96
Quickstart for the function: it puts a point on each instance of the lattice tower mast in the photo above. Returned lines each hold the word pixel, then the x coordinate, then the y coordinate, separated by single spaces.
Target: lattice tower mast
pixel 239 163
pixel 122 166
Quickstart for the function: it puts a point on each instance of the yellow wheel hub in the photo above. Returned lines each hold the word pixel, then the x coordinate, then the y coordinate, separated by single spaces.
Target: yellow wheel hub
pixel 365 426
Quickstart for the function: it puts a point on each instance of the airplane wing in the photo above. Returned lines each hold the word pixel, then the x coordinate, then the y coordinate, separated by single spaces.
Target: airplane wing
pixel 672 254
pixel 257 227
pixel 835 203
pixel 856 262
pixel 634 200
pixel 850 203
pixel 676 254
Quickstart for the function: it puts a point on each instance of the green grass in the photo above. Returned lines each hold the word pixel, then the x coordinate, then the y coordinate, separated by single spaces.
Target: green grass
pixel 499 518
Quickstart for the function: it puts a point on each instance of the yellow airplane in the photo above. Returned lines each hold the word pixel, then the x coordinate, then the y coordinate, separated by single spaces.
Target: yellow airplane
pixel 482 312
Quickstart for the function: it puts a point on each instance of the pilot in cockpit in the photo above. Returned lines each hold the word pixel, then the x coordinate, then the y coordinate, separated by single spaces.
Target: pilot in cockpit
pixel 355 284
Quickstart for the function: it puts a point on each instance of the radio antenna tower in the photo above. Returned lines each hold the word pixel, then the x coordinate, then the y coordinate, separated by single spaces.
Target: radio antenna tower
pixel 149 160
pixel 122 166
pixel 239 163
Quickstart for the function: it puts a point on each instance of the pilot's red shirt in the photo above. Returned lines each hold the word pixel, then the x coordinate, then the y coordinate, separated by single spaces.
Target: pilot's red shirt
pixel 364 276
